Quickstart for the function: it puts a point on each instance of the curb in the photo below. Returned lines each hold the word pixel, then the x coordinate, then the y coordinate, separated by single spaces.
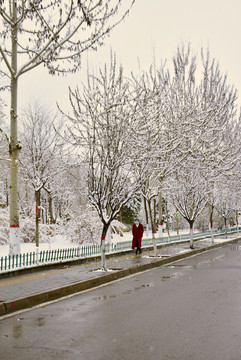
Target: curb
pixel 37 299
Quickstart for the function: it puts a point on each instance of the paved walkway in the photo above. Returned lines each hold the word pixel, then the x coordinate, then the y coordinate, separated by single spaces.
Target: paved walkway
pixel 26 290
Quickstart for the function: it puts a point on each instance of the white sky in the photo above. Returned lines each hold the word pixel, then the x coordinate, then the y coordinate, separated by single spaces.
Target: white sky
pixel 154 26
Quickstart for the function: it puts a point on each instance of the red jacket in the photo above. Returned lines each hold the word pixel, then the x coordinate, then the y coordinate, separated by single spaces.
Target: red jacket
pixel 137 232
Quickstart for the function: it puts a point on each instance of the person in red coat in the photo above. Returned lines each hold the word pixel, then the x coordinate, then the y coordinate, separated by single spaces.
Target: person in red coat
pixel 137 232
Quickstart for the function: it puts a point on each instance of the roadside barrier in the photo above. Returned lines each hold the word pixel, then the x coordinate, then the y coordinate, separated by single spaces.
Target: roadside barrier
pixel 31 259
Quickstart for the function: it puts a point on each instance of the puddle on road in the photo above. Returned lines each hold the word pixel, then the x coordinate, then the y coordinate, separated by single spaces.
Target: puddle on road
pixel 103 297
pixel 17 331
pixel 173 276
pixel 136 288
pixel 166 277
pixel 40 321
pixel 181 266
pixel 125 292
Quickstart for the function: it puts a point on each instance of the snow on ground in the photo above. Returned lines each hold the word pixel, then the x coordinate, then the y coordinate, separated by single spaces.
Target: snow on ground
pixel 60 242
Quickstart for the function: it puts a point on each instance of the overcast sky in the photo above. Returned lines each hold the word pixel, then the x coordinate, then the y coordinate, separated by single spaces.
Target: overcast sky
pixel 154 26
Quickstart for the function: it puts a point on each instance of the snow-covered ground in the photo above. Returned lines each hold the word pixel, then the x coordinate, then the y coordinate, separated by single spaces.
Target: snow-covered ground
pixel 60 242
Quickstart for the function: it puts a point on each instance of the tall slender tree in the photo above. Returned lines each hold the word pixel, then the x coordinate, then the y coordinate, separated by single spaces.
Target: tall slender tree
pixel 53 33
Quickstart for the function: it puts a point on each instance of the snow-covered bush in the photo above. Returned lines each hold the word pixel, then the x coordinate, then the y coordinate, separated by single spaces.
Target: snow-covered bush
pixel 27 230
pixel 76 228
pixel 46 231
pixel 4 226
pixel 80 225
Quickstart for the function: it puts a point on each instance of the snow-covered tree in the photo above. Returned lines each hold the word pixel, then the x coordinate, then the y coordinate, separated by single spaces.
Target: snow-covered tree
pixel 227 182
pixel 189 194
pixel 104 124
pixel 39 156
pixel 217 137
pixel 225 203
pixel 53 33
pixel 155 138
pixel 204 110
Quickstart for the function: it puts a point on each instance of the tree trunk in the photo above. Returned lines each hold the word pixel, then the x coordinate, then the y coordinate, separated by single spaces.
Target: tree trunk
pixel 225 226
pixel 160 217
pixel 150 213
pixel 14 146
pixel 237 221
pixel 168 224
pixel 152 227
pixel 51 217
pixel 103 236
pixel 177 225
pixel 59 210
pixel 191 235
pixel 37 216
pixel 146 215
pixel 211 208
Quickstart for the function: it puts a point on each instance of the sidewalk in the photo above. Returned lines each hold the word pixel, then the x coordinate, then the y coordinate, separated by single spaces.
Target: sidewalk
pixel 27 290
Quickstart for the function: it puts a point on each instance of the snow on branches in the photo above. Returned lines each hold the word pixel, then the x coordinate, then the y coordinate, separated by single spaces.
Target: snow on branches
pixel 49 32
pixel 104 124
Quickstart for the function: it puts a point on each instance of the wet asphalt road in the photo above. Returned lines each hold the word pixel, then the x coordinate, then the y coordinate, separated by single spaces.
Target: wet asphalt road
pixel 189 309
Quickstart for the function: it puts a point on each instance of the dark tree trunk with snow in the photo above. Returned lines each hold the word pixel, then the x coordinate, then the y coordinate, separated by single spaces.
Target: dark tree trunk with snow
pixel 51 216
pixel 211 209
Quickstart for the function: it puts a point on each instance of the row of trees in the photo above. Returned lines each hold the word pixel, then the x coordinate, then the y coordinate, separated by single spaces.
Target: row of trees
pixel 168 135
pixel 174 134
